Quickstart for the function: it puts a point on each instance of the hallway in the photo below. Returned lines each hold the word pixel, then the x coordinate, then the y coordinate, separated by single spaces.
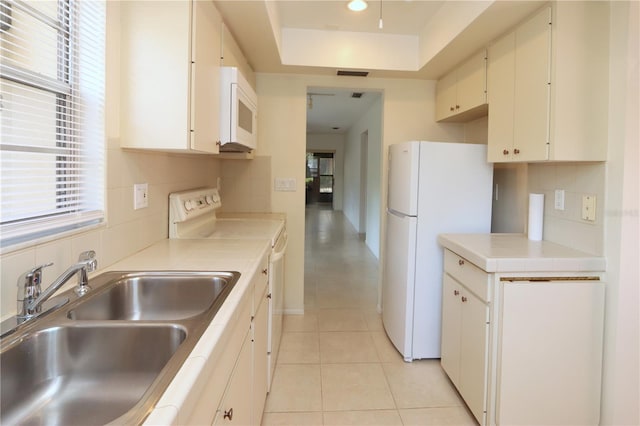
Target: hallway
pixel 336 365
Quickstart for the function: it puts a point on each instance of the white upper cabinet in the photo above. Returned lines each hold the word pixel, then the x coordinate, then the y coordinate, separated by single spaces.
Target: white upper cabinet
pixel 170 62
pixel 461 94
pixel 547 86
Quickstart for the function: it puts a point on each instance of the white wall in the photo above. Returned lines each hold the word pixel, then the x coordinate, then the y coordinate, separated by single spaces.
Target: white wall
pixel 328 142
pixel 408 113
pixel 246 185
pixel 621 375
pixel 370 122
pixel 352 178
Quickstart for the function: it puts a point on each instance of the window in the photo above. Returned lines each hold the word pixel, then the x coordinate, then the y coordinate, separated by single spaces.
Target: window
pixel 51 117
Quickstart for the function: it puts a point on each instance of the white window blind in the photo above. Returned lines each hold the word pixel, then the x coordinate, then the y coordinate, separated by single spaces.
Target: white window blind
pixel 52 117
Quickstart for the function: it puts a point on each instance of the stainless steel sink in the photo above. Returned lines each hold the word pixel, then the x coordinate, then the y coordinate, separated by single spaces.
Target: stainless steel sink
pixel 82 375
pixel 154 296
pixel 108 356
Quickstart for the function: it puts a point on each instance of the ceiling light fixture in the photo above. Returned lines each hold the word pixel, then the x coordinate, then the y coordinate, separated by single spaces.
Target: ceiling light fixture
pixel 357 5
pixel 380 21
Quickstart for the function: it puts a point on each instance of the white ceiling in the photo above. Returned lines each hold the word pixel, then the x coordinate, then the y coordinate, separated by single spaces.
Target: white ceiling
pixel 448 32
pixel 399 16
pixel 335 110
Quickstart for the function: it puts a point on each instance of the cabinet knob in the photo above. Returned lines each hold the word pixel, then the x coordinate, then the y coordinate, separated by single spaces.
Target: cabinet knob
pixel 457 106
pixel 269 296
pixel 451 109
pixel 464 299
pixel 264 271
pixel 228 414
pixel 505 152
pixel 460 262
pixel 456 292
pixel 516 151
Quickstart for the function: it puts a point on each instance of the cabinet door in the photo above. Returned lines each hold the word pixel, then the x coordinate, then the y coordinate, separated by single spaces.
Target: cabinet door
pixel 532 88
pixel 205 77
pixel 473 353
pixel 471 87
pixel 260 360
pixel 500 88
pixel 155 57
pixel 451 323
pixel 551 339
pixel 446 96
pixel 235 408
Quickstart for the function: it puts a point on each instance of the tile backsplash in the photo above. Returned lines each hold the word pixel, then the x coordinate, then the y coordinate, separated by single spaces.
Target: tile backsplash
pixel 247 185
pixel 566 226
pixel 126 230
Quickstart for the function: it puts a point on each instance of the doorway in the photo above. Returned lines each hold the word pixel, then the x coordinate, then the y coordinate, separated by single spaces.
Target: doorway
pixel 320 179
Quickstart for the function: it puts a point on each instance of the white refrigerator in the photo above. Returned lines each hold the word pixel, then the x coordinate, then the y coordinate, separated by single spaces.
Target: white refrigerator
pixel 434 188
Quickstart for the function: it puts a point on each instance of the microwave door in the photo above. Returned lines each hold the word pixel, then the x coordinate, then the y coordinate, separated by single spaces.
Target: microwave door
pixel 245 113
pixel 245 127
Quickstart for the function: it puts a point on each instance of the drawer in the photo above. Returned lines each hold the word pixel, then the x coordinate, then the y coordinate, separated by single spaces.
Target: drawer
pixel 468 274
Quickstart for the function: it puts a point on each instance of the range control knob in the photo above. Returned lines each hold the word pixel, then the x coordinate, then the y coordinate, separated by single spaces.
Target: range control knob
pixel 188 205
pixel 209 199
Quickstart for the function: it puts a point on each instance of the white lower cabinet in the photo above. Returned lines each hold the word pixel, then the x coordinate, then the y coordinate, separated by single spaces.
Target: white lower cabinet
pixel 260 359
pixel 236 405
pixel 465 331
pixel 235 388
pixel 549 352
pixel 523 347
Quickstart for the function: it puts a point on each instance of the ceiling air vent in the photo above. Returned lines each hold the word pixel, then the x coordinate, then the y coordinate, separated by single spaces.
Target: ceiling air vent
pixel 357 95
pixel 353 73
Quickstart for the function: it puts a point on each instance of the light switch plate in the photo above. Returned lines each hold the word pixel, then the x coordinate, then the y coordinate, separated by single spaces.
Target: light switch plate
pixel 589 208
pixel 140 196
pixel 285 184
pixel 559 199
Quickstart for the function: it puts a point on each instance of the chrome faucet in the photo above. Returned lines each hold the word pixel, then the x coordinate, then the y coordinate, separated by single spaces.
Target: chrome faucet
pixel 30 294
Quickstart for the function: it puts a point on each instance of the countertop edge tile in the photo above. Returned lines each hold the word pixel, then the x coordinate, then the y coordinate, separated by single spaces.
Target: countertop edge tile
pixel 503 253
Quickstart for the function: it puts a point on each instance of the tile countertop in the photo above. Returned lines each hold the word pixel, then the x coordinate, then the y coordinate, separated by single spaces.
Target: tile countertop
pixel 177 402
pixel 516 253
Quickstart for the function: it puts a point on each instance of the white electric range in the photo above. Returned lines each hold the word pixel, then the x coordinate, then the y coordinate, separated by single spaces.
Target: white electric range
pixel 192 215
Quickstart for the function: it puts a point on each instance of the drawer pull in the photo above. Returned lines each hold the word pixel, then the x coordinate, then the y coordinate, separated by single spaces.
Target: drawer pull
pixel 269 296
pixel 264 271
pixel 464 299
pixel 228 414
pixel 456 292
pixel 460 262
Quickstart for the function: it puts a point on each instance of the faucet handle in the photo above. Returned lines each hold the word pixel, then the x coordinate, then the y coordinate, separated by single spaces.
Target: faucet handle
pixel 89 258
pixel 33 277
pixel 29 287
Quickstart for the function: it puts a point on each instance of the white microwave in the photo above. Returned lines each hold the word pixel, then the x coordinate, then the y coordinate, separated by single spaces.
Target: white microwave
pixel 238 112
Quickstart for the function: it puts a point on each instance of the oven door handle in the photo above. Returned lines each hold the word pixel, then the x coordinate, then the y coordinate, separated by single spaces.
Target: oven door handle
pixel 276 256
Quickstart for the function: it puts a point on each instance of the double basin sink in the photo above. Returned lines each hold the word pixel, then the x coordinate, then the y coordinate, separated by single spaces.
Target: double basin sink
pixel 108 356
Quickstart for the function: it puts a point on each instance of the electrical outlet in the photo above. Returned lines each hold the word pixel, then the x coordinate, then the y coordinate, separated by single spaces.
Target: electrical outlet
pixel 589 208
pixel 559 199
pixel 140 196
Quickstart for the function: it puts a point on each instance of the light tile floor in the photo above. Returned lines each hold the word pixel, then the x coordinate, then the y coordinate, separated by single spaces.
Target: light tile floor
pixel 336 365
